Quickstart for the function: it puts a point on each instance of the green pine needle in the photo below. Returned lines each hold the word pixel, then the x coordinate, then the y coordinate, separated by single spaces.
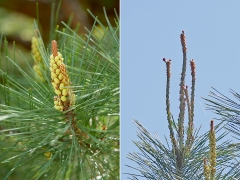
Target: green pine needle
pixel 40 141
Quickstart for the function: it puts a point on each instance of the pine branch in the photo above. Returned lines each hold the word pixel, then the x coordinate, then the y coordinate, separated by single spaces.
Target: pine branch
pixel 193 74
pixel 213 155
pixel 190 104
pixel 181 92
pixel 169 118
pixel 190 137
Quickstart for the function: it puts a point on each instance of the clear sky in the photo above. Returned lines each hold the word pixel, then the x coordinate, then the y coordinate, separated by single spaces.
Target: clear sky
pixel 150 31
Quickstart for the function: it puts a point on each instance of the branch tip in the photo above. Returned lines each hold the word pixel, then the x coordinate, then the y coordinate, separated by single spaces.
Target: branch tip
pixel 183 41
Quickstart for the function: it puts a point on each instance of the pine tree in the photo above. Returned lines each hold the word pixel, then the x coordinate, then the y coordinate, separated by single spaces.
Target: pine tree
pixel 60 119
pixel 189 156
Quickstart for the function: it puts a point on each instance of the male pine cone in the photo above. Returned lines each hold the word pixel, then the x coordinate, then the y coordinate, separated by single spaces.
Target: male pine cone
pixel 60 81
pixel 38 63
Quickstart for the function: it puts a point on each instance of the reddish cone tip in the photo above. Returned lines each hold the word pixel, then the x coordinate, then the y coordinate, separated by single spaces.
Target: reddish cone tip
pixel 212 128
pixel 54 48
pixel 205 161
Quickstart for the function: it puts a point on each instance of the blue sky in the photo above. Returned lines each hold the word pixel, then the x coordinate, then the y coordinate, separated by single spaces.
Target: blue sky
pixel 150 31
